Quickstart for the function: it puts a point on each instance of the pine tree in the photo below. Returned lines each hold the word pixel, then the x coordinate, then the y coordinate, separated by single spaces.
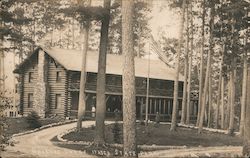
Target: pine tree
pixel 208 69
pixel 101 78
pixel 177 69
pixel 184 98
pixel 82 98
pixel 128 81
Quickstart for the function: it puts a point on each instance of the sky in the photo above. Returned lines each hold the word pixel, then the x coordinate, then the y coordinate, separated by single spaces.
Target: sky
pixel 162 20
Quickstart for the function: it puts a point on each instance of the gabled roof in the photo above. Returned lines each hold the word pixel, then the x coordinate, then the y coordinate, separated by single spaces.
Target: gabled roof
pixel 71 60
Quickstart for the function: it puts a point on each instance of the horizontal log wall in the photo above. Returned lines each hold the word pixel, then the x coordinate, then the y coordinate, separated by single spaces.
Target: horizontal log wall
pixel 28 87
pixel 57 87
pixel 53 87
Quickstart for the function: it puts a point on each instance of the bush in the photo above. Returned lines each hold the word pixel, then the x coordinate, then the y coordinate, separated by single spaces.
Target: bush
pixel 4 103
pixel 33 120
pixel 117 133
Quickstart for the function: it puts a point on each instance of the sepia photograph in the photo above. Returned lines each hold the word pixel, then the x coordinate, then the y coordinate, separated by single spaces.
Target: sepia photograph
pixel 124 78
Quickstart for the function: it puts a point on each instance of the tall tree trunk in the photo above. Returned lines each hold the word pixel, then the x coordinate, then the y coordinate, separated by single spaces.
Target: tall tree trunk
pixel 82 102
pixel 73 32
pixel 2 75
pixel 227 113
pixel 68 36
pixel 128 81
pixel 101 79
pixel 209 100
pixel 1 66
pixel 207 71
pixel 202 63
pixel 222 103
pixel 216 119
pixel 14 78
pixel 232 98
pixel 204 95
pixel 177 69
pixel 190 65
pixel 246 146
pixel 33 36
pixel 184 98
pixel 244 94
pixel 232 85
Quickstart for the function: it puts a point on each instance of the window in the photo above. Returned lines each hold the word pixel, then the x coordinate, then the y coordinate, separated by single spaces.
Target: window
pixel 31 74
pixel 57 101
pixel 91 78
pixel 11 114
pixel 58 76
pixel 30 100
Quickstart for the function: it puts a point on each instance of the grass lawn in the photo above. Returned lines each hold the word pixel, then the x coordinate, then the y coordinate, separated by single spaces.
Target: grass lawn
pixel 18 125
pixel 162 136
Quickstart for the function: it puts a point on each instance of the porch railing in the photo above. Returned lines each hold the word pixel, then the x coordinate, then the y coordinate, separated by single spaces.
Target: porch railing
pixel 118 89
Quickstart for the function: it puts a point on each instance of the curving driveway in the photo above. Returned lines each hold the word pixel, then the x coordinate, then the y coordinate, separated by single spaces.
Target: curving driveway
pixel 38 144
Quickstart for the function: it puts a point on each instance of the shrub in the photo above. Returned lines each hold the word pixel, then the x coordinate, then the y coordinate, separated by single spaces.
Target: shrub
pixel 33 120
pixel 117 133
pixel 4 103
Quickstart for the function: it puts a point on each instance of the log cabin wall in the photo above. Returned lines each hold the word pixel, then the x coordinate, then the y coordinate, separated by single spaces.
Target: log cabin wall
pixel 57 82
pixel 21 91
pixel 28 79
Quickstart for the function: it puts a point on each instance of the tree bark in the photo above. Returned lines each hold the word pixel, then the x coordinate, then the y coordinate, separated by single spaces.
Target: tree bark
pixel 232 102
pixel 203 105
pixel 216 119
pixel 184 98
pixel 128 81
pixel 222 103
pixel 209 100
pixel 190 65
pixel 177 69
pixel 101 79
pixel 246 146
pixel 227 112
pixel 244 93
pixel 2 72
pixel 204 95
pixel 201 64
pixel 232 85
pixel 82 102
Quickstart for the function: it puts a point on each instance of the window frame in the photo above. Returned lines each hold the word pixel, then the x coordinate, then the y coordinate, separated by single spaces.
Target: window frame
pixel 30 77
pixel 58 76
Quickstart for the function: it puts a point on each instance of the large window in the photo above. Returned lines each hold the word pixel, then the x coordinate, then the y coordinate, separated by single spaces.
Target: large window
pixel 31 77
pixel 91 78
pixel 57 101
pixel 141 82
pixel 30 100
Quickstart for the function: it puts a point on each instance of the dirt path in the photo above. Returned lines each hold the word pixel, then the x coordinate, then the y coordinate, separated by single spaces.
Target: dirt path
pixel 38 144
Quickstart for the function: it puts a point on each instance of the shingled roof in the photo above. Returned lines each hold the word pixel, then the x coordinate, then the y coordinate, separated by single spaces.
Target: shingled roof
pixel 71 60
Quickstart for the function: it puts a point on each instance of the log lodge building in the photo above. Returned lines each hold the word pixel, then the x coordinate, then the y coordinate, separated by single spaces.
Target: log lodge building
pixel 50 79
